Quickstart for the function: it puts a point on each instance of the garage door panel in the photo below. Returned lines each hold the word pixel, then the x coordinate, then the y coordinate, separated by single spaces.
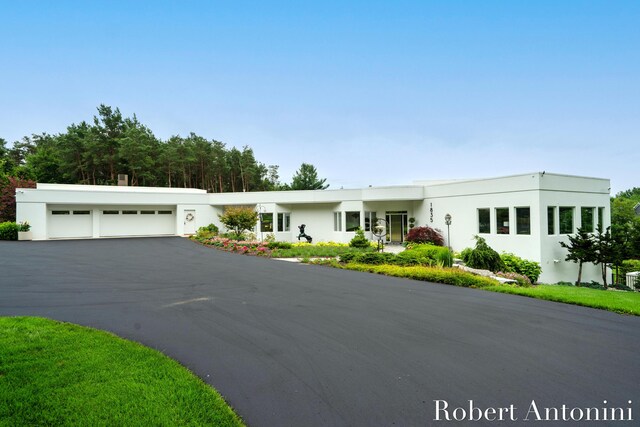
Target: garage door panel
pixel 70 224
pixel 132 222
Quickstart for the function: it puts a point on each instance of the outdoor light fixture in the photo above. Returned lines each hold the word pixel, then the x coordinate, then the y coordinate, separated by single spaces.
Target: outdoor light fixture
pixel 447 220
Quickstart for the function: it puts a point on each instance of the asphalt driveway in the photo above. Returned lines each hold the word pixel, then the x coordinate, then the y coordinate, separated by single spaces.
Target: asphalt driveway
pixel 298 345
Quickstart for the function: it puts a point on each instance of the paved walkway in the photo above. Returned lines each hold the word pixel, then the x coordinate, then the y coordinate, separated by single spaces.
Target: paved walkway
pixel 301 345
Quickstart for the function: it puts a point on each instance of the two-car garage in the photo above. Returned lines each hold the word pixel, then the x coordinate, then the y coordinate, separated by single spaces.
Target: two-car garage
pixel 65 222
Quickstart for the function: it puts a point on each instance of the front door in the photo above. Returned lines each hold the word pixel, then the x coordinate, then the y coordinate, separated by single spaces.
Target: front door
pixel 190 222
pixel 397 226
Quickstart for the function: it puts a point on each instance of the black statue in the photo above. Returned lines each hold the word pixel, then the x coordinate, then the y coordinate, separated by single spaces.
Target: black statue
pixel 303 234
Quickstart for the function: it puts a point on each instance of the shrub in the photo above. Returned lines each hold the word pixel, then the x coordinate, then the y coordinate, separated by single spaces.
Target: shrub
pixel 239 218
pixel 465 254
pixel 9 231
pixel 212 228
pixel 359 240
pixel 440 255
pixel 279 245
pixel 24 226
pixel 483 257
pixel 270 237
pixel 450 276
pixel 590 285
pixel 207 232
pixel 515 264
pixel 425 235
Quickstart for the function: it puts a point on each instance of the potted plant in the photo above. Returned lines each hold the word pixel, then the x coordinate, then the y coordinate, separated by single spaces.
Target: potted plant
pixel 412 222
pixel 24 231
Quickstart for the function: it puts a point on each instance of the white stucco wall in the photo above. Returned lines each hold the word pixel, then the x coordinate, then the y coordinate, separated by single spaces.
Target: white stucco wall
pixel 427 202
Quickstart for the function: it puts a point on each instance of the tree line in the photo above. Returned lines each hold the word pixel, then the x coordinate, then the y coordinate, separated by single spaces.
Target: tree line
pixel 96 152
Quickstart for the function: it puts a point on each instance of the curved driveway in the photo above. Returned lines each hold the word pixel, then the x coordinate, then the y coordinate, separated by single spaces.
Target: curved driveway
pixel 298 345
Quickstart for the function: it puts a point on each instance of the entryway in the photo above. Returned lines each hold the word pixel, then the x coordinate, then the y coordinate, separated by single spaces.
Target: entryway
pixel 396 226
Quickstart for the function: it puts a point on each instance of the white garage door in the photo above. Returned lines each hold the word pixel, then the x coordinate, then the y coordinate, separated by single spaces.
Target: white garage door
pixel 137 222
pixel 69 223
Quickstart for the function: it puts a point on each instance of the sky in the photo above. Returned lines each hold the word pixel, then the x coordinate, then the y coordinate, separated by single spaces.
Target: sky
pixel 370 92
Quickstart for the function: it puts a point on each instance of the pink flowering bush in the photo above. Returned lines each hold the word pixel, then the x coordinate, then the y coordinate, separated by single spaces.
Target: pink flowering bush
pixel 242 247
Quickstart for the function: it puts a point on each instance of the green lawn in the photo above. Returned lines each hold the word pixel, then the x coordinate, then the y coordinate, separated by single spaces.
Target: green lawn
pixel 617 301
pixel 54 373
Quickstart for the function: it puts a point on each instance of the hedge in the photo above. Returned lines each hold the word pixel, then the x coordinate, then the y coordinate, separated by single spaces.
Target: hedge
pixel 9 231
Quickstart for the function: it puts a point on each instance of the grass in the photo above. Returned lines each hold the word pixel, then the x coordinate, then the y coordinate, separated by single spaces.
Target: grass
pixel 54 373
pixel 616 301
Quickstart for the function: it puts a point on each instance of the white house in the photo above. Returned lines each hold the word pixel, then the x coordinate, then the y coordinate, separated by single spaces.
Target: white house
pixel 526 214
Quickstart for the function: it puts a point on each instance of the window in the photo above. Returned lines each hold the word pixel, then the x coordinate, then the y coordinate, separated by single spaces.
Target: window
pixel 81 212
pixel 147 212
pixel 129 212
pixel 601 218
pixel 586 217
pixel 110 212
pixel 284 221
pixel 266 222
pixel 484 220
pixel 566 220
pixel 502 220
pixel 368 220
pixel 523 220
pixel 352 221
pixel 59 212
pixel 165 212
pixel 551 220
pixel 337 221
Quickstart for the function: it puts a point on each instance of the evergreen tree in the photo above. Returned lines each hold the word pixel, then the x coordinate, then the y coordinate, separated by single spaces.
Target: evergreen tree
pixel 580 249
pixel 306 178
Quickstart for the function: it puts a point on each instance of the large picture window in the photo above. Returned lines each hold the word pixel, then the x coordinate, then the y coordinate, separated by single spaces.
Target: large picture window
pixel 352 221
pixel 502 220
pixel 484 220
pixel 551 220
pixel 284 221
pixel 523 220
pixel 566 220
pixel 586 217
pixel 266 222
pixel 337 221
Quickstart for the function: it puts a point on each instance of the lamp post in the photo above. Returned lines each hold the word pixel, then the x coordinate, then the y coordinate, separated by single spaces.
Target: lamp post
pixel 447 220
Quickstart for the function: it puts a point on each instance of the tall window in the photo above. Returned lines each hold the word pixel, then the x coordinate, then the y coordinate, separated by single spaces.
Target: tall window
pixel 484 220
pixel 601 218
pixel 523 220
pixel 566 220
pixel 337 221
pixel 284 221
pixel 352 222
pixel 551 220
pixel 586 215
pixel 502 220
pixel 266 222
pixel 368 219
